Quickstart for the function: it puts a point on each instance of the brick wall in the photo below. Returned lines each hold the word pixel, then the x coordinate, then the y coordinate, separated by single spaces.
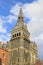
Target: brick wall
pixel 4 55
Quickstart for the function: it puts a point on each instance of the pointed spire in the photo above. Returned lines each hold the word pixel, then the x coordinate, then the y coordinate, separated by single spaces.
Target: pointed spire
pixel 20 16
pixel 20 13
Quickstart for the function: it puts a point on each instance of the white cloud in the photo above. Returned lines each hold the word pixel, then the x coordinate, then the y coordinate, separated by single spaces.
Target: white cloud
pixel 34 12
pixel 9 19
pixel 2 29
pixel 15 9
pixel 39 41
pixel 5 38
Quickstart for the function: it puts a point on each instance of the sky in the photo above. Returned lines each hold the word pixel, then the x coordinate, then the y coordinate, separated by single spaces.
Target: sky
pixel 33 17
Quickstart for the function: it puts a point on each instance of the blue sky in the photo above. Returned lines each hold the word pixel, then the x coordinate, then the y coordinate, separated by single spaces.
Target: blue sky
pixel 5 7
pixel 33 17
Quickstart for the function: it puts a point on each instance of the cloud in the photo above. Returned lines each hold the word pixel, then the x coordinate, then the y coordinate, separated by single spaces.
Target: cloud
pixel 16 8
pixel 9 19
pixel 6 19
pixel 5 38
pixel 2 29
pixel 39 41
pixel 34 12
pixel 35 25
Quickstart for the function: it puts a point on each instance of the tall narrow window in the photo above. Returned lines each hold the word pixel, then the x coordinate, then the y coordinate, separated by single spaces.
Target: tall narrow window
pixel 19 17
pixel 18 59
pixel 4 55
pixel 15 35
pixel 19 33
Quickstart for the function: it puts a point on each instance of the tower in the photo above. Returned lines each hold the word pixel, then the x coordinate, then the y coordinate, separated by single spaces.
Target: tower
pixel 20 45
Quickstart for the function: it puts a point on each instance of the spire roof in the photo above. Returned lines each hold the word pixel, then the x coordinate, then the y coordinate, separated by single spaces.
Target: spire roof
pixel 20 16
pixel 20 13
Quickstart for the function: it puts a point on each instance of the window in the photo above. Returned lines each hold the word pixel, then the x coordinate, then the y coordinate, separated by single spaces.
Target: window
pixel 4 55
pixel 25 56
pixel 15 35
pixel 19 17
pixel 22 17
pixel 19 33
pixel 12 53
pixel 18 59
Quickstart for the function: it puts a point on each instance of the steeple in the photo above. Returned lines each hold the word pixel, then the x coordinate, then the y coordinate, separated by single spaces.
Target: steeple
pixel 20 16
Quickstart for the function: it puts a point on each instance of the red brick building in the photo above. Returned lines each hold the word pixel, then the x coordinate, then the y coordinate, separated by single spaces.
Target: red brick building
pixel 4 55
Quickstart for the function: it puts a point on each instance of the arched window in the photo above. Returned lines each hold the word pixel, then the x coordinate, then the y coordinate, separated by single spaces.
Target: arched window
pixel 19 33
pixel 4 55
pixel 18 59
pixel 15 35
pixel 22 17
pixel 19 17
